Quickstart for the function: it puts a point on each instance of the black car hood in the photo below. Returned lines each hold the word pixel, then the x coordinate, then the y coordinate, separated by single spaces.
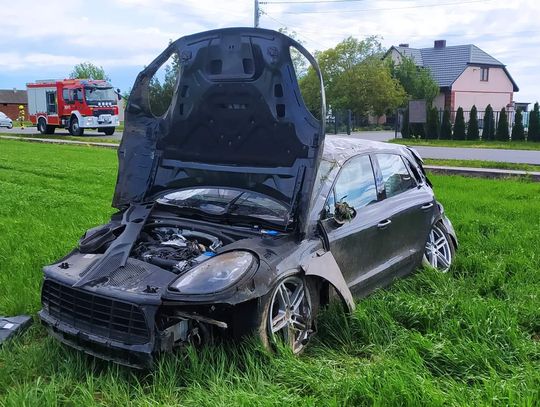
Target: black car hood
pixel 237 119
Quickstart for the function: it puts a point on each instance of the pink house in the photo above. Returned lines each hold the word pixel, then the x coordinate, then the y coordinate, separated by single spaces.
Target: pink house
pixel 466 75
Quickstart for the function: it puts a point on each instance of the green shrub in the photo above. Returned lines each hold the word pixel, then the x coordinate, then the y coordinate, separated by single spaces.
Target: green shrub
pixel 405 129
pixel 446 126
pixel 472 128
pixel 432 123
pixel 534 124
pixel 518 132
pixel 488 132
pixel 502 133
pixel 459 125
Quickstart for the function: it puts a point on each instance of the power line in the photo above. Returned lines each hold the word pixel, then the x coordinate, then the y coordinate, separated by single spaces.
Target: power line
pixel 287 25
pixel 385 9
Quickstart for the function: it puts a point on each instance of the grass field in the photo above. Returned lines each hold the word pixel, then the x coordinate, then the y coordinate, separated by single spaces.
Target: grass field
pixel 509 145
pixel 468 337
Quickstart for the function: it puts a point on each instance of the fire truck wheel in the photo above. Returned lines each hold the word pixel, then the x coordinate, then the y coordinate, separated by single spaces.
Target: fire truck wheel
pixel 109 131
pixel 74 128
pixel 42 126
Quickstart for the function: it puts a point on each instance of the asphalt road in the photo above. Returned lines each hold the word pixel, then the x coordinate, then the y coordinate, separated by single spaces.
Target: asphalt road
pixel 456 153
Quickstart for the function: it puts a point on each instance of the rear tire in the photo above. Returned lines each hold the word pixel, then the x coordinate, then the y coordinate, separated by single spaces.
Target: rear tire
pixel 42 126
pixel 74 128
pixel 287 313
pixel 439 252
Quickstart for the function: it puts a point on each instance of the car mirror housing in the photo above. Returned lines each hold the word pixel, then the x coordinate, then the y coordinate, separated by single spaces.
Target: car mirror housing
pixel 343 213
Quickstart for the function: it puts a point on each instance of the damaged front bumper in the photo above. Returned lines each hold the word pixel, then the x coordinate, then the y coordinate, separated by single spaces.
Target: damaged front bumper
pixel 129 333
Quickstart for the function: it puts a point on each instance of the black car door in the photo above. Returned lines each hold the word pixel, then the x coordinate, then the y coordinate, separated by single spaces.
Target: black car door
pixel 355 244
pixel 409 205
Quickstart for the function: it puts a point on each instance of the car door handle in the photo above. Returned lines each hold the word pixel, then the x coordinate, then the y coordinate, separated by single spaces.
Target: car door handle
pixel 425 207
pixel 384 223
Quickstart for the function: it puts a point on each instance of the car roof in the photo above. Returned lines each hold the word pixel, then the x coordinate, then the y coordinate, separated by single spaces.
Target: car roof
pixel 339 148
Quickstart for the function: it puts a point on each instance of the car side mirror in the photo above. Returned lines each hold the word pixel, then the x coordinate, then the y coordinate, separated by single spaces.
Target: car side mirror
pixel 343 213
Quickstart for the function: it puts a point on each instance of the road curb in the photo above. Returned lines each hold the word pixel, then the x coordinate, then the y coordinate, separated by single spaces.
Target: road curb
pixel 57 141
pixel 465 171
pixel 483 172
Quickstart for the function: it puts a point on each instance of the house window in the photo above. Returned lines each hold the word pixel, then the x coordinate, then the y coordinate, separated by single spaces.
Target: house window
pixel 484 74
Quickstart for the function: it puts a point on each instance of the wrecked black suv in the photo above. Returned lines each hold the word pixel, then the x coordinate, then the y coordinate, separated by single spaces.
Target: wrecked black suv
pixel 236 216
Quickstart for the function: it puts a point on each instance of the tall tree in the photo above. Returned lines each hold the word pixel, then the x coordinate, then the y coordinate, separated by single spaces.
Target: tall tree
pixel 518 132
pixel 300 63
pixel 162 85
pixel 417 82
pixel 502 133
pixel 446 126
pixel 534 124
pixel 355 78
pixel 432 131
pixel 459 125
pixel 472 128
pixel 488 132
pixel 87 70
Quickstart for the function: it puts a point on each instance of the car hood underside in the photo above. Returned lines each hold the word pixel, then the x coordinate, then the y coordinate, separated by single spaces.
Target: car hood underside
pixel 237 119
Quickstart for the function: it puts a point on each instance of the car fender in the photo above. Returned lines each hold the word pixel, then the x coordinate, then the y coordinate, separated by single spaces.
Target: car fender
pixel 323 264
pixel 440 216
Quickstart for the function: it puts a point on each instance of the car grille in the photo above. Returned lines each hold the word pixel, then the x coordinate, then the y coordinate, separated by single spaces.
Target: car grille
pixel 95 314
pixel 98 112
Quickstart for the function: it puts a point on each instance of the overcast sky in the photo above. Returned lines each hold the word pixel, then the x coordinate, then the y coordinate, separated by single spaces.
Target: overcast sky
pixel 44 39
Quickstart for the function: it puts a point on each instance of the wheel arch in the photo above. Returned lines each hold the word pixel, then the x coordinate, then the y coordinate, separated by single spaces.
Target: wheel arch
pixel 76 114
pixel 323 266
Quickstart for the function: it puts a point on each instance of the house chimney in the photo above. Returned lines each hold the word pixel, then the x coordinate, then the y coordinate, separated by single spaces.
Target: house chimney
pixel 439 44
pixel 404 45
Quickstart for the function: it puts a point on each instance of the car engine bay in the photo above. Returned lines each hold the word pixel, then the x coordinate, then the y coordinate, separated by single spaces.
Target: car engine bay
pixel 173 248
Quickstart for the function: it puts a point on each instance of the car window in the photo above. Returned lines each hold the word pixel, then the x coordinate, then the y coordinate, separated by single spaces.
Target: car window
pixel 395 176
pixel 355 185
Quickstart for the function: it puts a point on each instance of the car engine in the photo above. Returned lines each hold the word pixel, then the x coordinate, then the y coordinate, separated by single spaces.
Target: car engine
pixel 173 248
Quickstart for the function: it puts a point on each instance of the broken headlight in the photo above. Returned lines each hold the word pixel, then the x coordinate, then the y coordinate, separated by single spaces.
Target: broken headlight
pixel 215 274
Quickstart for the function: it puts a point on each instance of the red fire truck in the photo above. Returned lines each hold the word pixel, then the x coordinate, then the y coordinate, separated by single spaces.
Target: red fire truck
pixel 75 104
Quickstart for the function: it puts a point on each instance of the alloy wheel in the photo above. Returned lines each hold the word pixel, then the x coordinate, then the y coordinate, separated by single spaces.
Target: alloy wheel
pixel 290 314
pixel 438 251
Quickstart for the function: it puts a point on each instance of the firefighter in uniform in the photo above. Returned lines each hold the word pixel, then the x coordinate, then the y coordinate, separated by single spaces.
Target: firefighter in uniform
pixel 21 116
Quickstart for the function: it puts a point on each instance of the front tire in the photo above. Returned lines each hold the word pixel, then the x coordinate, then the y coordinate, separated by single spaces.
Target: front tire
pixel 74 128
pixel 109 131
pixel 287 313
pixel 439 250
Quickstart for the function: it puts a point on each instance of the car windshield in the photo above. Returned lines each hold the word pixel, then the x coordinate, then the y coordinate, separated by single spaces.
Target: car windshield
pixel 222 201
pixel 94 94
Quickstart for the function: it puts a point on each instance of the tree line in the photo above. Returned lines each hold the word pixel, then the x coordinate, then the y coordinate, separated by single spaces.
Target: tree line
pixel 499 130
pixel 358 77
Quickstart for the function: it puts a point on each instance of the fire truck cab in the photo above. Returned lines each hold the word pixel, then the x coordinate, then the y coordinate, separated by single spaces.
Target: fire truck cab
pixel 75 104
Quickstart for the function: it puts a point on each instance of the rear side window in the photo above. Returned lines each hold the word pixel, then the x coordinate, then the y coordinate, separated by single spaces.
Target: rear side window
pixel 395 176
pixel 355 184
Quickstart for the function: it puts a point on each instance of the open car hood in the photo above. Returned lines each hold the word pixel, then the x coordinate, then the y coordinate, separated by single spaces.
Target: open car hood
pixel 237 119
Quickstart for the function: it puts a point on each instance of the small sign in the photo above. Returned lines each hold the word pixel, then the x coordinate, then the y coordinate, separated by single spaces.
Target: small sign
pixel 417 111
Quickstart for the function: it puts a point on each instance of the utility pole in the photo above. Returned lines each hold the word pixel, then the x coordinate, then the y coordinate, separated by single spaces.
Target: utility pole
pixel 256 14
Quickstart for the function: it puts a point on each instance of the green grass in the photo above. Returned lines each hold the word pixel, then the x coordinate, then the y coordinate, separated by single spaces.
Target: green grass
pixel 468 337
pixel 88 139
pixel 509 145
pixel 483 164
